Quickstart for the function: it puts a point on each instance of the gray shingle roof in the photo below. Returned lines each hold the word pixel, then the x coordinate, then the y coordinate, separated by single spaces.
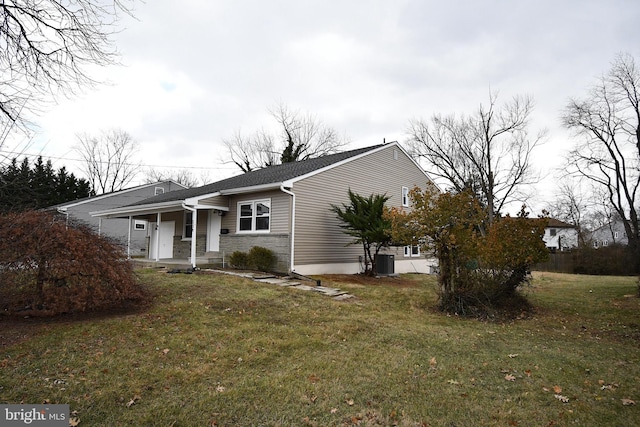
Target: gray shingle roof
pixel 268 175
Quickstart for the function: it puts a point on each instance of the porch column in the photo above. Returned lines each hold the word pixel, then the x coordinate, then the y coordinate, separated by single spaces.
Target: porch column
pixel 194 237
pixel 129 240
pixel 158 237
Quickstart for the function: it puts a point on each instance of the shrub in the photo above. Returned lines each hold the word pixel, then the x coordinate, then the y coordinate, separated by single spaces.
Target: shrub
pixel 262 259
pixel 239 260
pixel 258 258
pixel 51 267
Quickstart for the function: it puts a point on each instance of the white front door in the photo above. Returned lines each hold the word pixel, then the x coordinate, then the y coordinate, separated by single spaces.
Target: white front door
pixel 167 229
pixel 213 231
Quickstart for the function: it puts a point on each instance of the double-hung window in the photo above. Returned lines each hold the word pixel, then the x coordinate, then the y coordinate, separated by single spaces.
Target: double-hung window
pixel 187 229
pixel 254 216
pixel 405 197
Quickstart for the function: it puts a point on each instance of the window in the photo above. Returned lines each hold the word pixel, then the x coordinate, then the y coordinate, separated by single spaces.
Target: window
pixel 158 190
pixel 552 232
pixel 615 235
pixel 595 244
pixel 254 216
pixel 187 229
pixel 139 224
pixel 412 251
pixel 405 197
pixel 605 243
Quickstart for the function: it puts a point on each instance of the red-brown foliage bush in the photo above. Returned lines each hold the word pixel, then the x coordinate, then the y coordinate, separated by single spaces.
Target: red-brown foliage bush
pixel 49 266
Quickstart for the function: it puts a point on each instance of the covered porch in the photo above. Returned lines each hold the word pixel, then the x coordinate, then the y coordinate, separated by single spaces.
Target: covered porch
pixel 178 233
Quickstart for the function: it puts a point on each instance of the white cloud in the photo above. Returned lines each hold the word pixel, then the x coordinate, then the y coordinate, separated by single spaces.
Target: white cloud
pixel 197 71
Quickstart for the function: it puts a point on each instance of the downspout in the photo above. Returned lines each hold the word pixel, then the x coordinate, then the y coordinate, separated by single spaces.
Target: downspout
pixel 158 218
pixel 194 216
pixel 129 240
pixel 66 215
pixel 293 225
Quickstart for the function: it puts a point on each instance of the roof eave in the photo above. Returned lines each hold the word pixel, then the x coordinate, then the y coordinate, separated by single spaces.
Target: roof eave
pixel 251 189
pixel 138 210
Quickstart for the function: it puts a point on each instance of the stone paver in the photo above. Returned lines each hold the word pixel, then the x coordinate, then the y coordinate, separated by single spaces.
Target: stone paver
pixel 291 282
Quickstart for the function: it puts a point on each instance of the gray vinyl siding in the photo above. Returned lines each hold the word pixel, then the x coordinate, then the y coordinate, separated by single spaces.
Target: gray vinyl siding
pixel 277 239
pixel 280 211
pixel 318 237
pixel 117 228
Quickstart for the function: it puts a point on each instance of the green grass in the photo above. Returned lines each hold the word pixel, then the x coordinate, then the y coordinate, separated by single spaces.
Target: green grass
pixel 221 350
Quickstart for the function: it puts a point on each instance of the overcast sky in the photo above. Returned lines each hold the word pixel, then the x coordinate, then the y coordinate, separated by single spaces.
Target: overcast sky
pixel 196 71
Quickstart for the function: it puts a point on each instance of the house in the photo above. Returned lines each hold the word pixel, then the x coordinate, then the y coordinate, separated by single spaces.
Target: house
pixel 285 208
pixel 133 233
pixel 560 236
pixel 609 234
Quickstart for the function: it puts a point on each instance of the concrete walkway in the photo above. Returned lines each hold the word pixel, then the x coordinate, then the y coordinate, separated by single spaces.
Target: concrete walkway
pixel 289 282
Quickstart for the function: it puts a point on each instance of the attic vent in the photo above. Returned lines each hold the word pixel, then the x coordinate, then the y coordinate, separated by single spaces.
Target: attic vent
pixel 159 190
pixel 395 154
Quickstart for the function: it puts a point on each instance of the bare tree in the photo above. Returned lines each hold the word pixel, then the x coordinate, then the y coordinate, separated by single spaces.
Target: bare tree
pixel 47 46
pixel 109 159
pixel 607 121
pixel 252 152
pixel 302 136
pixel 488 152
pixel 574 206
pixel 181 176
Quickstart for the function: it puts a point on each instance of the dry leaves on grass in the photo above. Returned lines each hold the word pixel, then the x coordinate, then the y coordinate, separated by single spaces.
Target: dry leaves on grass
pixel 433 363
pixel 74 419
pixel 509 377
pixel 561 398
pixel 133 401
pixel 627 402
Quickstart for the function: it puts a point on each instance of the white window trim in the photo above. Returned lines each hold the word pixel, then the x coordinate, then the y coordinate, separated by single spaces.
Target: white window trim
pixel 184 225
pixel 253 216
pixel 158 190
pixel 137 222
pixel 408 251
pixel 405 197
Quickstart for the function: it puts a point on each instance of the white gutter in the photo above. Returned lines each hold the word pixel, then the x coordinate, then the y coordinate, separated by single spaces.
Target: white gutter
pixel 194 227
pixel 293 225
pixel 125 211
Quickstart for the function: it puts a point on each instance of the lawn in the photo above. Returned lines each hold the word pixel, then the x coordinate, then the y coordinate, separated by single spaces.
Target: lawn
pixel 218 350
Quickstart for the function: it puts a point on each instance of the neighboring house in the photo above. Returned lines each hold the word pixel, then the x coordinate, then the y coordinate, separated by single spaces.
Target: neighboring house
pixel 133 233
pixel 285 208
pixel 609 234
pixel 560 236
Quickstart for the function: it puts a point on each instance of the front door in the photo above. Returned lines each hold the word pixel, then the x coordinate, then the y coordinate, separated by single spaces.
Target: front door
pixel 213 231
pixel 166 239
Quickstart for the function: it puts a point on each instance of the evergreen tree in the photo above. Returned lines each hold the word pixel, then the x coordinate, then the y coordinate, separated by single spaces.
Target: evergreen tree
pixel 363 219
pixel 24 187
